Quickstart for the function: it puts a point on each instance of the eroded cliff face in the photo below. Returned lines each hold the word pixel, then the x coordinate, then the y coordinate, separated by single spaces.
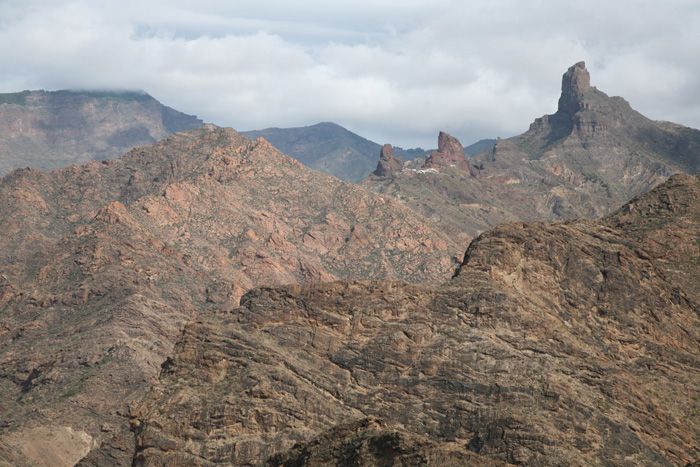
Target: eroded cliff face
pixel 574 84
pixel 50 130
pixel 666 222
pixel 370 442
pixel 563 344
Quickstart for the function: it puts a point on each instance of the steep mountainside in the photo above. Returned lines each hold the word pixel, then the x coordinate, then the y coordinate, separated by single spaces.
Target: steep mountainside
pixel 666 221
pixel 593 154
pixel 50 130
pixel 562 344
pixel 103 264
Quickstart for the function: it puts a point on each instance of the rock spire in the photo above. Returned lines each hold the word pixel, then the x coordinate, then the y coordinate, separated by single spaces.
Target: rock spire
pixel 574 83
pixel 450 155
pixel 388 164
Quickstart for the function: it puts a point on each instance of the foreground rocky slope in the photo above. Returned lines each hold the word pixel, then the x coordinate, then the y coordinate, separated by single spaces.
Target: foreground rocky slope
pixel 104 263
pixel 666 221
pixel 49 130
pixel 592 155
pixel 563 344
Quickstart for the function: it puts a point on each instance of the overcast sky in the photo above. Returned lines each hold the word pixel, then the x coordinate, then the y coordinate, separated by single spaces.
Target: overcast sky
pixel 392 71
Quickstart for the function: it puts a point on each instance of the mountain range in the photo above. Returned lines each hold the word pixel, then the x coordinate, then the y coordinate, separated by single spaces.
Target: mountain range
pixel 561 344
pixel 593 154
pixel 49 130
pixel 208 300
pixel 103 263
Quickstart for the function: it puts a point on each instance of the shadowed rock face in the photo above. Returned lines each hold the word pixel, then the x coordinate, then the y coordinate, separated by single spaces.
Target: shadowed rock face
pixel 104 263
pixel 370 442
pixel 388 164
pixel 563 344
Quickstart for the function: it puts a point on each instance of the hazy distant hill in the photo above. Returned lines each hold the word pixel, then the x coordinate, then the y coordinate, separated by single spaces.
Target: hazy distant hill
pixel 479 146
pixel 327 147
pixel 47 130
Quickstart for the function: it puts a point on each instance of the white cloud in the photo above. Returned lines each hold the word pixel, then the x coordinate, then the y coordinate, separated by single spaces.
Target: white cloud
pixel 393 71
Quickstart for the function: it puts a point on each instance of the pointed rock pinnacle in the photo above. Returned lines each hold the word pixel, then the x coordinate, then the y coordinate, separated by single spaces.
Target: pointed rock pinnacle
pixel 450 155
pixel 574 83
pixel 388 164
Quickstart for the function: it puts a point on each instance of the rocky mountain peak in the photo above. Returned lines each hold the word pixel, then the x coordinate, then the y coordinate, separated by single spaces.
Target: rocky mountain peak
pixel 574 83
pixel 387 152
pixel 450 155
pixel 576 79
pixel 448 144
pixel 114 213
pixel 388 164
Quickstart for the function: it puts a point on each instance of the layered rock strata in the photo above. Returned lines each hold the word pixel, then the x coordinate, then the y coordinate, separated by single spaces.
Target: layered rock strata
pixel 49 130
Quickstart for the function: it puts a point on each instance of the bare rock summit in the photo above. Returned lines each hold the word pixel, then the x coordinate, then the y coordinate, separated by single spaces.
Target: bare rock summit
pixel 591 155
pixel 388 164
pixel 574 83
pixel 554 344
pixel 450 155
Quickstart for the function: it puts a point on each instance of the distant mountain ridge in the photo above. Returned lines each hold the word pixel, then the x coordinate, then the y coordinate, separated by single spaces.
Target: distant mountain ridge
pixel 480 146
pixel 325 146
pixel 47 130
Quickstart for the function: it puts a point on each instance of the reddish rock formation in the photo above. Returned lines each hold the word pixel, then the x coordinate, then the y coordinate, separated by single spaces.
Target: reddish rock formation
pixel 388 164
pixel 450 155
